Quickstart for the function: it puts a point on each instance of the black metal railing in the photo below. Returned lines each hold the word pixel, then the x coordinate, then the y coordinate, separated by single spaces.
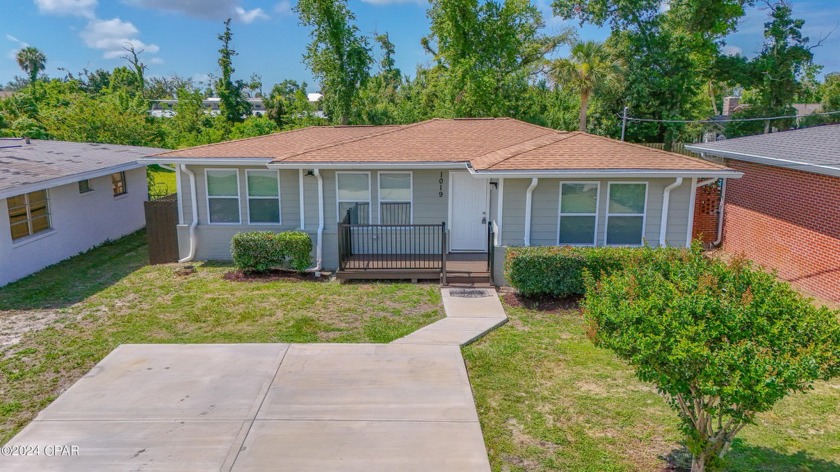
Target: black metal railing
pixel 390 246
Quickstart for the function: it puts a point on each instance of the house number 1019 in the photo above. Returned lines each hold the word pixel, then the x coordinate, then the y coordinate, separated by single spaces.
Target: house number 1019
pixel 440 181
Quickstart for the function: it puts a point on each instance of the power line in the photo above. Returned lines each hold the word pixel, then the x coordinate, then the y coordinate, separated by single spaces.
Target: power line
pixel 724 120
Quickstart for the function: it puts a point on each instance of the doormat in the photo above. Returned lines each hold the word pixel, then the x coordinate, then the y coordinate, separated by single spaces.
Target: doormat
pixel 469 293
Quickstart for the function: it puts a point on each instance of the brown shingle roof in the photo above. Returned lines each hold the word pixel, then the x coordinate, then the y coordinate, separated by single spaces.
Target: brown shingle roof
pixel 494 144
pixel 273 145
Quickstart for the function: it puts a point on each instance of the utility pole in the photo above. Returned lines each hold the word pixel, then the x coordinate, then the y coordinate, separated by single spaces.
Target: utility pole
pixel 623 123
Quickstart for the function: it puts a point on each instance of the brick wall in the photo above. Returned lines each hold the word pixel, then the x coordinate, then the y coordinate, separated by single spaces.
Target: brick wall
pixel 706 206
pixel 786 220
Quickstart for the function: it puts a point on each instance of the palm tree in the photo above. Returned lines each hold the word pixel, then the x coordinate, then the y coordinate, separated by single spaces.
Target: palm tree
pixel 589 67
pixel 32 61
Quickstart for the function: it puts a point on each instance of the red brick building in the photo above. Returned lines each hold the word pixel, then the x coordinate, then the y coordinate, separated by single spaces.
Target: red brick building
pixel 784 213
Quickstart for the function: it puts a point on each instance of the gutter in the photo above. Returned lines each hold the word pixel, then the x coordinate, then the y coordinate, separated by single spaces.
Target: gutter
pixel 607 173
pixel 528 204
pixel 719 239
pixel 319 241
pixel 194 223
pixel 666 203
pixel 228 161
pixel 771 161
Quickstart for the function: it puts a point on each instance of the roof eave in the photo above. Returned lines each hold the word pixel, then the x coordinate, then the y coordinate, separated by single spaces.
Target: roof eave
pixel 833 171
pixel 205 161
pixel 609 173
pixel 68 179
pixel 368 165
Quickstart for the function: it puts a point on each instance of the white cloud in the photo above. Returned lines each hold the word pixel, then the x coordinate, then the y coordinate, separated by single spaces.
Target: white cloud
pixel 284 7
pixel 83 8
pixel 204 9
pixel 733 51
pixel 20 45
pixel 248 16
pixel 112 36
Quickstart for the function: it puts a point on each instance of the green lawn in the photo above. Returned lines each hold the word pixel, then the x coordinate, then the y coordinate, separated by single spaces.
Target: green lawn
pixel 550 400
pixel 110 296
pixel 161 182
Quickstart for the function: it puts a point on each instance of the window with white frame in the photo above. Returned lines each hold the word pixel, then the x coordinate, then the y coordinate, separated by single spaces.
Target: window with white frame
pixel 118 183
pixel 28 214
pixel 263 196
pixel 353 192
pixel 626 214
pixel 395 196
pixel 223 195
pixel 578 213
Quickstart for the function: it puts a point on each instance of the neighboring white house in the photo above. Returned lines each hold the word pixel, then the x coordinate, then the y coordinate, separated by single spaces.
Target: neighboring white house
pixel 59 198
pixel 165 108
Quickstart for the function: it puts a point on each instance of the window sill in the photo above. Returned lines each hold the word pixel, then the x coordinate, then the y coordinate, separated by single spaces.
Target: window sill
pixel 32 238
pixel 121 196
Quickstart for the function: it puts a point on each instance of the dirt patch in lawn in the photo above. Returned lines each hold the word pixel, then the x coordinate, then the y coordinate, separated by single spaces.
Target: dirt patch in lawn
pixel 14 324
pixel 272 276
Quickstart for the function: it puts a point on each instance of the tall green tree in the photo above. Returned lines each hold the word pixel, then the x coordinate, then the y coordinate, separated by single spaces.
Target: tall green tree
pixel 32 61
pixel 779 68
pixel 486 53
pixel 338 55
pixel 232 103
pixel 589 67
pixel 669 54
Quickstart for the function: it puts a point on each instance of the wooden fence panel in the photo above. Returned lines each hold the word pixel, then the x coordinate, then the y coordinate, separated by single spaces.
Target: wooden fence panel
pixel 161 229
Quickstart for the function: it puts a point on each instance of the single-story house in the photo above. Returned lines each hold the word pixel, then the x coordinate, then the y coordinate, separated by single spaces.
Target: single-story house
pixel 404 201
pixel 785 212
pixel 60 198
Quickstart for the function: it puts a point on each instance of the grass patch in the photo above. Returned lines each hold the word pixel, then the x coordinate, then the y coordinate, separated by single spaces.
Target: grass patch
pixel 550 400
pixel 161 181
pixel 109 296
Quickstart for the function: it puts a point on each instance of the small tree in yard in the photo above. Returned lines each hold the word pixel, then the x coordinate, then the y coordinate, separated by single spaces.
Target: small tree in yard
pixel 722 342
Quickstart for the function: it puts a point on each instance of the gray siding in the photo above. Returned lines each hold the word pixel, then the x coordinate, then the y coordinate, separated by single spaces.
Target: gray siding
pixel 214 239
pixel 429 207
pixel 545 211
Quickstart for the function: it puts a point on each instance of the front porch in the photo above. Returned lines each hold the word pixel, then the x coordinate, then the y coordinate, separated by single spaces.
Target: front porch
pixel 410 252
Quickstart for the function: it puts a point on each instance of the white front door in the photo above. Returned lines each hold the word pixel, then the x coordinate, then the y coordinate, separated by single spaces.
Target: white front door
pixel 468 220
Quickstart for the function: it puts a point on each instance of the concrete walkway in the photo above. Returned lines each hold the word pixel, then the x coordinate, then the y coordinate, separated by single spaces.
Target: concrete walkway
pixel 403 406
pixel 470 314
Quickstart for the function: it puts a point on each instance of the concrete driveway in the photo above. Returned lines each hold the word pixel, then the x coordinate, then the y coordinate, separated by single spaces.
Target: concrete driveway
pixel 247 407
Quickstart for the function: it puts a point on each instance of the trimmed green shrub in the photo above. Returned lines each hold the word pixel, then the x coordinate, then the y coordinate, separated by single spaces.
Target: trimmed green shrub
pixel 558 270
pixel 261 251
pixel 721 342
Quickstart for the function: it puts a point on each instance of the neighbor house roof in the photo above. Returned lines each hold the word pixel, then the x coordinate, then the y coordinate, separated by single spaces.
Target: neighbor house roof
pixel 484 145
pixel 815 150
pixel 45 164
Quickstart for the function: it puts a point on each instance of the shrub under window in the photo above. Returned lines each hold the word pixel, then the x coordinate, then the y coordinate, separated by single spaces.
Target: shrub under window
pixel 261 251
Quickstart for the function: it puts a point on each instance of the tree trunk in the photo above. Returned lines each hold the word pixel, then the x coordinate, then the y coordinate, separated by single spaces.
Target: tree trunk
pixel 713 98
pixel 698 463
pixel 584 108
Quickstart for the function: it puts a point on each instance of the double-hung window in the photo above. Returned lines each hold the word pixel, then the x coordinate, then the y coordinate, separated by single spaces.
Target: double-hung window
pixel 578 213
pixel 28 214
pixel 118 183
pixel 395 198
pixel 353 191
pixel 626 213
pixel 223 195
pixel 263 196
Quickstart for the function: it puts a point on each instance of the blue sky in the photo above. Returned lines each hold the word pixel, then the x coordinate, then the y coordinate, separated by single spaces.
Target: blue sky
pixel 179 36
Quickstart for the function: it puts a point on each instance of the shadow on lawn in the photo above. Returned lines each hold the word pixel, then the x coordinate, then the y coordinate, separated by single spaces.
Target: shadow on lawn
pixel 72 280
pixel 745 457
